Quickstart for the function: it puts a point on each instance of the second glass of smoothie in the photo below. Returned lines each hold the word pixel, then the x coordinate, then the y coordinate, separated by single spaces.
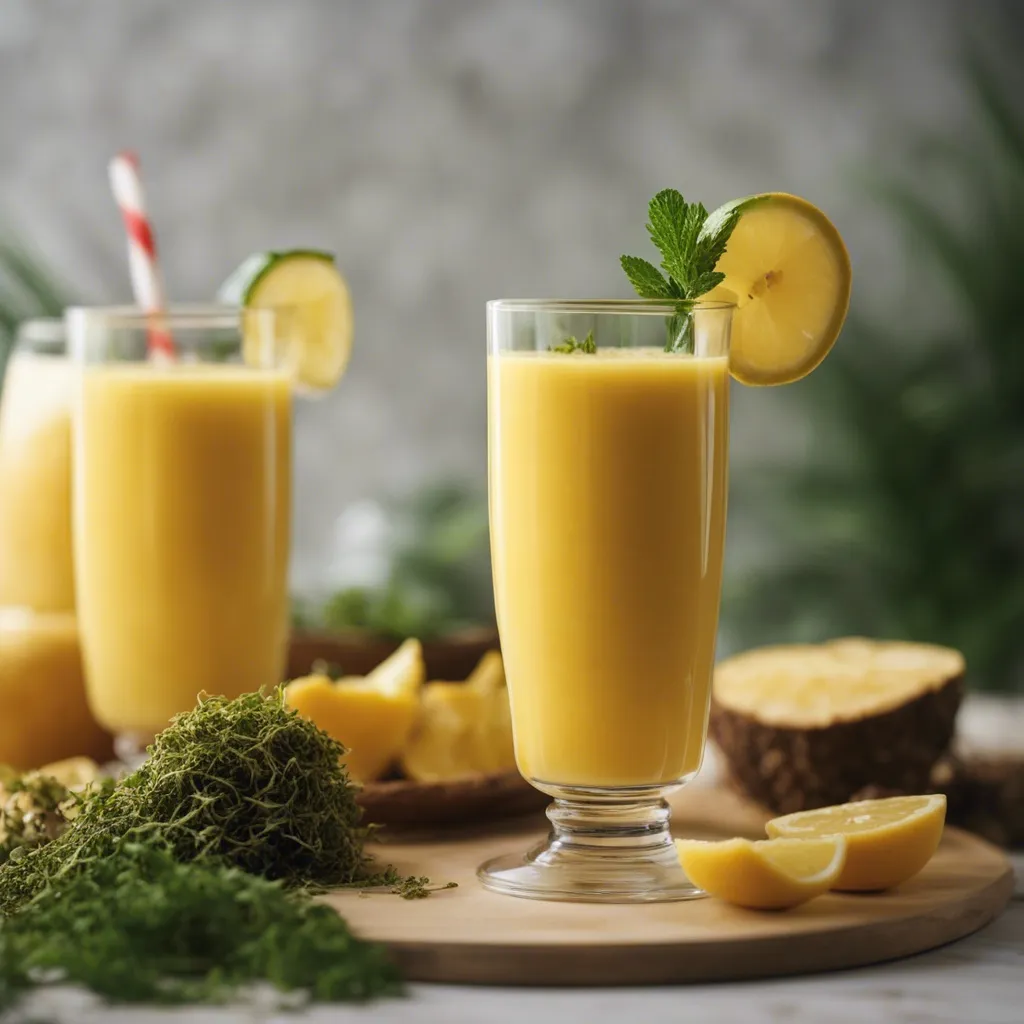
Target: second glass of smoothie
pixel 181 511
pixel 608 436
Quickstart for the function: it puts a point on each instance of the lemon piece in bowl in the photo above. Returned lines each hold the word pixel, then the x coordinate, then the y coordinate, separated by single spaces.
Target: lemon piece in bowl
pixel 372 716
pixel 464 729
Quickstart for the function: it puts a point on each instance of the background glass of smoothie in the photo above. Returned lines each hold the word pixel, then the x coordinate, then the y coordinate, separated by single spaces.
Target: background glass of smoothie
pixel 45 716
pixel 182 511
pixel 35 472
pixel 608 474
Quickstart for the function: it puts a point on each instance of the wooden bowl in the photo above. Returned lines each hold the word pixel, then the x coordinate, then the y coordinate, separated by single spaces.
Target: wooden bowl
pixel 354 653
pixel 403 803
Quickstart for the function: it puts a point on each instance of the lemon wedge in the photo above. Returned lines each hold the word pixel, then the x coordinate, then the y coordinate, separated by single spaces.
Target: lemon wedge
pixel 464 729
pixel 314 307
pixel 887 841
pixel 371 716
pixel 788 272
pixel 768 874
pixel 74 772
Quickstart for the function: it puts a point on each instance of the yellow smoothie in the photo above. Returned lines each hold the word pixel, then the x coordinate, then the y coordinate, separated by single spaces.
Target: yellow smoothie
pixel 35 484
pixel 608 499
pixel 182 526
pixel 43 712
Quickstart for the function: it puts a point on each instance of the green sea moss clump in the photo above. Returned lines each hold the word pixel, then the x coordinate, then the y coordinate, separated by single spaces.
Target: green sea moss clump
pixel 246 782
pixel 138 925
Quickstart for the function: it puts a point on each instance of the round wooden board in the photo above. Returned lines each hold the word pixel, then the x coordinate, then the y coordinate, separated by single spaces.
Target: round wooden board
pixel 469 935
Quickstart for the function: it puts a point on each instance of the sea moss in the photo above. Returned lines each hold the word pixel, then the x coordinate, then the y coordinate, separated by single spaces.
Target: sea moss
pixel 246 782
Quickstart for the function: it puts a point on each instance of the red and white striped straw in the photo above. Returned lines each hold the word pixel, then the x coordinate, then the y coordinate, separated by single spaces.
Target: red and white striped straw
pixel 126 185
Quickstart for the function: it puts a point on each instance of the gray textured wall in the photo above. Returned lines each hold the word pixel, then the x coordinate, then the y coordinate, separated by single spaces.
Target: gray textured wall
pixel 451 151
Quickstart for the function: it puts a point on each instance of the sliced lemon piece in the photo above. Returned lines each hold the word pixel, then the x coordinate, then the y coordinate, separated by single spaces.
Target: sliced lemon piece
pixel 314 308
pixel 372 716
pixel 788 272
pixel 769 874
pixel 888 840
pixel 464 729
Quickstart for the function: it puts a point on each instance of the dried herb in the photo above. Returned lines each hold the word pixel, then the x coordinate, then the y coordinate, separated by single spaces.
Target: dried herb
pixel 248 782
pixel 587 346
pixel 33 811
pixel 140 926
pixel 415 887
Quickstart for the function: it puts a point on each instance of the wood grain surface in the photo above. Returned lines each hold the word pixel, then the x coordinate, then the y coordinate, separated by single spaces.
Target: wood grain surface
pixel 469 935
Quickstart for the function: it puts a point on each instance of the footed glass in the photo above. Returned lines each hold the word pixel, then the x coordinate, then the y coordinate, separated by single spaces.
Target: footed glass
pixel 608 439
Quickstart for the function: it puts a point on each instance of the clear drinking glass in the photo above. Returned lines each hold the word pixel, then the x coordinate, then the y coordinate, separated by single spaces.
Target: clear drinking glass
pixel 181 510
pixel 35 471
pixel 607 473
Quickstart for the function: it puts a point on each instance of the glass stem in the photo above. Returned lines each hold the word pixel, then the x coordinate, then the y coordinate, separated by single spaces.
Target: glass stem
pixel 587 827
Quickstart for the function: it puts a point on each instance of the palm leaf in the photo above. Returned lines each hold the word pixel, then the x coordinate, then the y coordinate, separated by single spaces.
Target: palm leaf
pixel 27 289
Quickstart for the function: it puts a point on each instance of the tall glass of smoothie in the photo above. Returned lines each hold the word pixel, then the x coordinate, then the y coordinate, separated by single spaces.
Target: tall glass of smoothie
pixel 608 436
pixel 181 511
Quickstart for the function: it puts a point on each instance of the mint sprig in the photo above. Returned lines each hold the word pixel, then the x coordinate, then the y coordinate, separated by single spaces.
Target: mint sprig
pixel 689 255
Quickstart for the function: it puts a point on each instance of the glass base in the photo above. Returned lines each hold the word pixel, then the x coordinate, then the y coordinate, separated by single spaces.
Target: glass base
pixel 604 847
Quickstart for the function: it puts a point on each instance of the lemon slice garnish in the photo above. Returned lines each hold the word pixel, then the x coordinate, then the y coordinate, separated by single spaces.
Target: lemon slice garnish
pixel 311 298
pixel 788 272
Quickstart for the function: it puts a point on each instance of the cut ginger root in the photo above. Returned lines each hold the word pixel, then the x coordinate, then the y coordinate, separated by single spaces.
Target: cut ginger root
pixel 464 729
pixel 810 725
pixel 371 716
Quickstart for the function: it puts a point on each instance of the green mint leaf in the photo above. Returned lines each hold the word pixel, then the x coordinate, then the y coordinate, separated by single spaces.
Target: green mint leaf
pixel 711 247
pixel 667 227
pixel 706 281
pixel 646 278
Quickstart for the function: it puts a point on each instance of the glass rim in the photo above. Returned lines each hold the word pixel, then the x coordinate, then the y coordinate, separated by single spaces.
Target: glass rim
pixel 41 330
pixel 186 316
pixel 652 307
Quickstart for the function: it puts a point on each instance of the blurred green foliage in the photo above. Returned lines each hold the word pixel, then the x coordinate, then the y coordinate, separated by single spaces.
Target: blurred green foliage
pixel 907 519
pixel 27 290
pixel 440 575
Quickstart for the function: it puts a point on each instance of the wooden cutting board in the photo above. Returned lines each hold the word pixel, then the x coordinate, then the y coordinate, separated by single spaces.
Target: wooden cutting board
pixel 469 935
